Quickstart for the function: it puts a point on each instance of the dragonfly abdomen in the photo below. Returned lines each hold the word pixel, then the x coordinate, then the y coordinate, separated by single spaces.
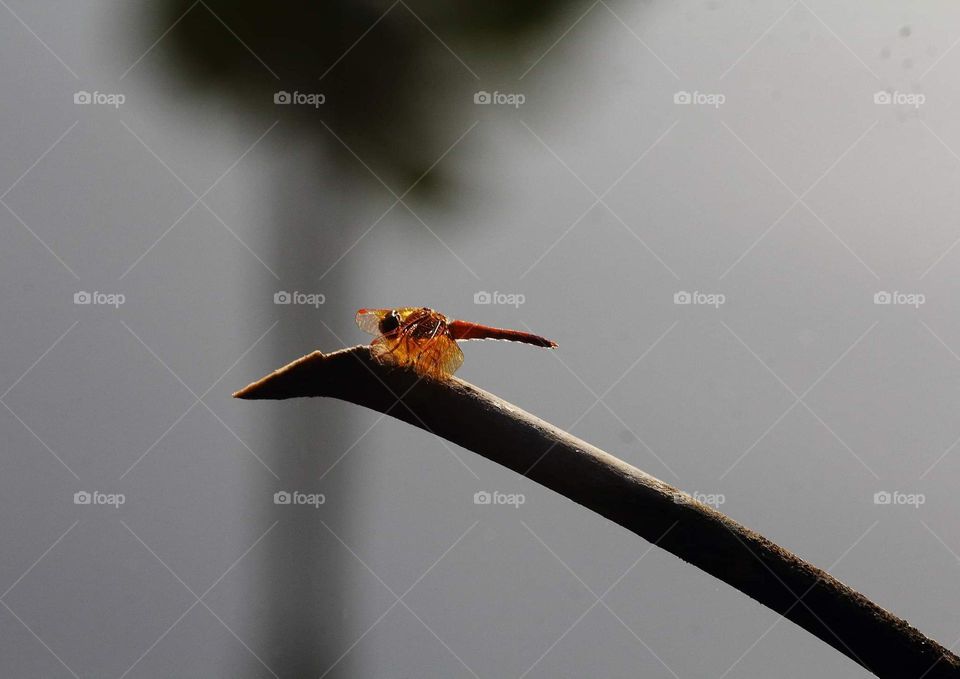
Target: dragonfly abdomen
pixel 465 330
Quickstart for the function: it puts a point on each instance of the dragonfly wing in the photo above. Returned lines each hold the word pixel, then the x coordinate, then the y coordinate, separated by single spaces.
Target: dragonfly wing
pixel 368 320
pixel 422 341
pixel 439 356
pixel 454 357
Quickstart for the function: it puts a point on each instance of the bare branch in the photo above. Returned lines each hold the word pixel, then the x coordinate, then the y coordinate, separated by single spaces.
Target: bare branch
pixel 489 426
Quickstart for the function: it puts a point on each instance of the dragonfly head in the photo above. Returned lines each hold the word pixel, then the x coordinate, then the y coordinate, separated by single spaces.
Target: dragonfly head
pixel 390 323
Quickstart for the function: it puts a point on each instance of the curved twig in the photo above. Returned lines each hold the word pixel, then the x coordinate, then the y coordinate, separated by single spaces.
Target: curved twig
pixel 489 426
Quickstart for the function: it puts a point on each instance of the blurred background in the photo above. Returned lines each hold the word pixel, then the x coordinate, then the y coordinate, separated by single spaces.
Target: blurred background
pixel 738 219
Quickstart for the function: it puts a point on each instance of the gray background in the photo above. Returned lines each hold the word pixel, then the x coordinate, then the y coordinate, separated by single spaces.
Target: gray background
pixel 600 198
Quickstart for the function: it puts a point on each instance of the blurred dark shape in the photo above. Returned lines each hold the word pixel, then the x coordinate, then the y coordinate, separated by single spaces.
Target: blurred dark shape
pixel 384 69
pixel 392 90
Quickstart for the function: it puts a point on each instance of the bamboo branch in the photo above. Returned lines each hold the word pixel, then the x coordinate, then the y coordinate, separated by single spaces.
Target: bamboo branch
pixel 489 426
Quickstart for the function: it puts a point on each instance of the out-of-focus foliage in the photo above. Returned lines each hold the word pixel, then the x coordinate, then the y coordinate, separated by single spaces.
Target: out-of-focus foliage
pixel 385 94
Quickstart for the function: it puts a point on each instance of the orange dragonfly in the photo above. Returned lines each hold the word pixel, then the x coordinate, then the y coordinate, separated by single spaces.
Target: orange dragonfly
pixel 426 340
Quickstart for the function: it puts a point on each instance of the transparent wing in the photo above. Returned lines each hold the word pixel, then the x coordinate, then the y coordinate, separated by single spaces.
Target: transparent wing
pixel 432 354
pixel 452 356
pixel 368 320
pixel 438 357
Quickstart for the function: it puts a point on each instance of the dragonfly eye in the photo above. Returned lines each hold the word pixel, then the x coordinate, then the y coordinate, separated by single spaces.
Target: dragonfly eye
pixel 390 323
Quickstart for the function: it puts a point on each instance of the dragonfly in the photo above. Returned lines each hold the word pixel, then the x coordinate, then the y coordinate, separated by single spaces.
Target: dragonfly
pixel 426 340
